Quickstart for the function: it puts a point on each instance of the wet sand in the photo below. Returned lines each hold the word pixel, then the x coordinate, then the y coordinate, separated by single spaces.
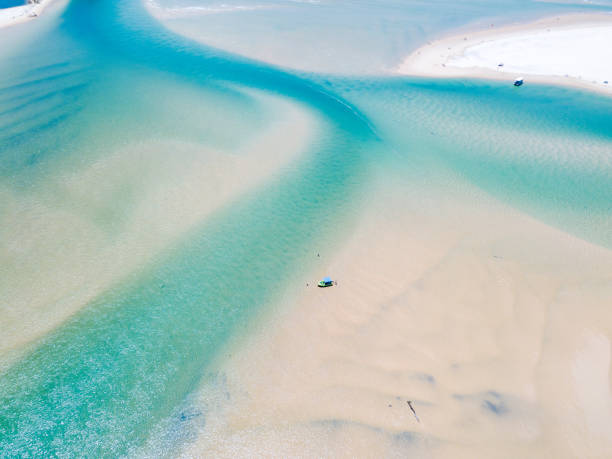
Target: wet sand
pixel 494 326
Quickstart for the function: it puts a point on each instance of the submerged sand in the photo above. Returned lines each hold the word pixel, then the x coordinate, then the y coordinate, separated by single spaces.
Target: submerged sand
pixel 66 241
pixel 494 326
pixel 568 50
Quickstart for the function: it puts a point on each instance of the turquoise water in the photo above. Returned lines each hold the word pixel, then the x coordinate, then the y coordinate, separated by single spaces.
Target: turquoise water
pixel 322 35
pixel 10 3
pixel 101 77
pixel 546 152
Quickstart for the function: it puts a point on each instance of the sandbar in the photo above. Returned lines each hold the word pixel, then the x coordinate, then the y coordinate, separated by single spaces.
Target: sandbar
pixel 562 50
pixel 20 14
pixel 493 325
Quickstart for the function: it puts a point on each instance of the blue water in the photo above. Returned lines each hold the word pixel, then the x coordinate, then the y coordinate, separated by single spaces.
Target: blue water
pixel 11 3
pixel 99 384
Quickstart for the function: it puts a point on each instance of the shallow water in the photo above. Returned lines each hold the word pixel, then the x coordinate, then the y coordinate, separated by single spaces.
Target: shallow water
pixel 107 78
pixel 321 35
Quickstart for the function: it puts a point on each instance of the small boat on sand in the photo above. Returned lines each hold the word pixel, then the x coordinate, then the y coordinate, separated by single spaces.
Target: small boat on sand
pixel 518 82
pixel 326 282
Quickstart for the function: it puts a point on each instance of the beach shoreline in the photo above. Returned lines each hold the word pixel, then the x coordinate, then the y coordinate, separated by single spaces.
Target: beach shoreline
pixel 502 53
pixel 20 14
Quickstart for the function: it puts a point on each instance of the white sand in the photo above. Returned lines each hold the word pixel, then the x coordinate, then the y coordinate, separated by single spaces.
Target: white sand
pixel 462 309
pixel 20 14
pixel 571 50
pixel 188 11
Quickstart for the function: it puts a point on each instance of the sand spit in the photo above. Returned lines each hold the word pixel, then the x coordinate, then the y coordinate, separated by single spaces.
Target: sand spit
pixel 493 326
pixel 63 245
pixel 564 50
pixel 20 14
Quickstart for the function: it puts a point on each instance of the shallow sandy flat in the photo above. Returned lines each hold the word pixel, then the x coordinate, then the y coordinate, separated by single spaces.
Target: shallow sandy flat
pixel 569 50
pixel 56 252
pixel 494 326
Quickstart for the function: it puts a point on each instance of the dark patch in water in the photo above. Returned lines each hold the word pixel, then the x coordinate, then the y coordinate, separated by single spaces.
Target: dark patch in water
pixel 497 408
pixel 430 379
pixel 492 402
pixel 405 437
pixel 189 414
